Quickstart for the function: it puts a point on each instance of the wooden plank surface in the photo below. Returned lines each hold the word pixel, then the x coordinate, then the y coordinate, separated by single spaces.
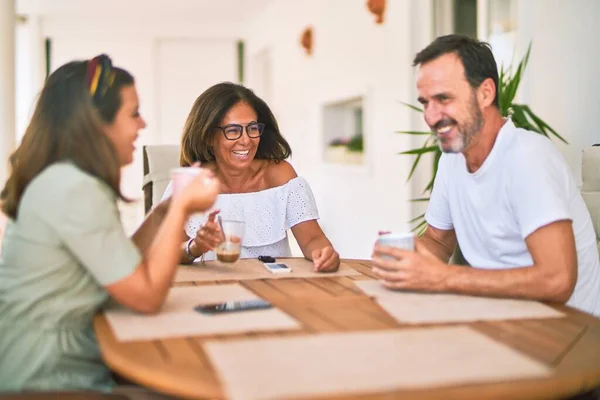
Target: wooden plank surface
pixel 179 367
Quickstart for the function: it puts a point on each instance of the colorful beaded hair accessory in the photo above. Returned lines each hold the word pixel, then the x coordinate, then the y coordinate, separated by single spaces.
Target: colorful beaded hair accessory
pixel 100 76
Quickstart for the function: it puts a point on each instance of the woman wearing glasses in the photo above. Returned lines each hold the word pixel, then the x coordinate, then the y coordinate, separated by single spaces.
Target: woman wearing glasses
pixel 234 133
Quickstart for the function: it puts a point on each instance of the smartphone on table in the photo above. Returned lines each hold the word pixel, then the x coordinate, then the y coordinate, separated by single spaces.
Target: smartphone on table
pixel 231 306
pixel 277 268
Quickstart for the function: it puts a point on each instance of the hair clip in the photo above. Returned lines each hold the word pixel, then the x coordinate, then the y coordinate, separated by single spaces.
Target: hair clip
pixel 267 259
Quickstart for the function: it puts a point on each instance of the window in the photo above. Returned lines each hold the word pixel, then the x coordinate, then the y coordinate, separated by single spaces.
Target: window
pixel 494 21
pixel 455 16
pixel 343 132
pixel 501 30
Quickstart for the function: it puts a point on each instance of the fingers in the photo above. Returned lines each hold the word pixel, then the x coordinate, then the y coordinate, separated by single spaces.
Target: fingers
pixel 209 236
pixel 317 256
pixel 326 259
pixel 396 285
pixel 391 275
pixel 387 264
pixel 212 215
pixel 394 252
pixel 201 193
pixel 331 264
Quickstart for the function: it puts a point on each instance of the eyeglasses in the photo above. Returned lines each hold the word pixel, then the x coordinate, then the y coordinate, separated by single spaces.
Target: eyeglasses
pixel 235 131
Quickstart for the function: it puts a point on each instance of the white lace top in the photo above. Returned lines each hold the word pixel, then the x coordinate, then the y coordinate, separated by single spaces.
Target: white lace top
pixel 268 215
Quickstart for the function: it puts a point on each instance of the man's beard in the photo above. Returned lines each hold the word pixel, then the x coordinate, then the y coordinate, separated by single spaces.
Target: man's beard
pixel 464 132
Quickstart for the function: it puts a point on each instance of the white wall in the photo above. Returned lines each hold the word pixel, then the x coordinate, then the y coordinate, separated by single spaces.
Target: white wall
pixel 171 66
pixel 159 61
pixel 561 83
pixel 352 57
pixel 186 68
pixel 30 70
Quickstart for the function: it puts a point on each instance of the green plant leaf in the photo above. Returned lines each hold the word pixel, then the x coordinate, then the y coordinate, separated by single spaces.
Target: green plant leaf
pixel 513 82
pixel 429 186
pixel 513 85
pixel 542 124
pixel 414 167
pixel 416 218
pixel 417 159
pixel 525 60
pixel 413 107
pixel 501 89
pixel 421 150
pixel 419 199
pixel 520 119
pixel 414 132
pixel 420 228
pixel 436 161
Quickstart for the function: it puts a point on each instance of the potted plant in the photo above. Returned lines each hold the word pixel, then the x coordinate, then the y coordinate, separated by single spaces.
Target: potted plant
pixel 521 115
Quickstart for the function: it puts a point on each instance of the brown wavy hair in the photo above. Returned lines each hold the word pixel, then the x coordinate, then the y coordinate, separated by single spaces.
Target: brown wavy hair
pixel 67 125
pixel 208 111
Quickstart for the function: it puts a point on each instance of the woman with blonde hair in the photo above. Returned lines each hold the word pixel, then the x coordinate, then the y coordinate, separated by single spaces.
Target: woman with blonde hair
pixel 65 253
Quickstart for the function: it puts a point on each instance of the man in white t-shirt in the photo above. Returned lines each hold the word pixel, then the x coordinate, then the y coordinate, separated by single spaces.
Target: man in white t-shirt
pixel 504 194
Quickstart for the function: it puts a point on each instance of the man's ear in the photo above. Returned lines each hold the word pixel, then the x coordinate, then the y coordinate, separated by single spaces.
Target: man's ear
pixel 486 93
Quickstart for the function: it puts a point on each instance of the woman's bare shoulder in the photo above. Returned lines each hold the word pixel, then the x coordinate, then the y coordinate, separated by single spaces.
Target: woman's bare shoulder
pixel 278 173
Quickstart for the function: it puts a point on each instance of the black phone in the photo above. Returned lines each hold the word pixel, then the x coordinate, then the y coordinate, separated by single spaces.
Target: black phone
pixel 230 306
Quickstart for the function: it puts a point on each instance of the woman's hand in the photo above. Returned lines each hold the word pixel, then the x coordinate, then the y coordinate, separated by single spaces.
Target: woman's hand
pixel 208 236
pixel 326 259
pixel 201 193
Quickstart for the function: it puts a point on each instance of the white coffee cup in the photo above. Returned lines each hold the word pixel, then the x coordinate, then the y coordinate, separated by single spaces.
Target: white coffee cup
pixel 405 241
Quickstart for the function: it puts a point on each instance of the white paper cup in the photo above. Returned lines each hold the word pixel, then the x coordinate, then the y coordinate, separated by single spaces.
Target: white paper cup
pixel 405 241
pixel 182 177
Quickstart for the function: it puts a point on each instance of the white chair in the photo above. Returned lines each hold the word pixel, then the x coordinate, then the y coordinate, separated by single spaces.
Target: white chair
pixel 590 190
pixel 158 162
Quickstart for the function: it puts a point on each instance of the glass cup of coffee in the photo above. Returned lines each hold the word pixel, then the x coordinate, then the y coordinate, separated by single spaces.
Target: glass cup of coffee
pixel 229 250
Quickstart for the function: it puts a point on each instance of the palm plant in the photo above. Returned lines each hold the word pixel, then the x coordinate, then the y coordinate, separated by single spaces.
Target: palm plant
pixel 521 115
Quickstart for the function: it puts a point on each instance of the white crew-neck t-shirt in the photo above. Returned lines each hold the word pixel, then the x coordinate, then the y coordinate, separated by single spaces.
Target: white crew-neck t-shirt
pixel 523 185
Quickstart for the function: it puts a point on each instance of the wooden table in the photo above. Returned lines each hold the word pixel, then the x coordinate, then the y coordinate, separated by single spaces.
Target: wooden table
pixel 571 345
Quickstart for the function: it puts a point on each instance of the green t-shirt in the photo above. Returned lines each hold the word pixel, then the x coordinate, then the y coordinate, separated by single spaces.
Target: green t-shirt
pixel 65 245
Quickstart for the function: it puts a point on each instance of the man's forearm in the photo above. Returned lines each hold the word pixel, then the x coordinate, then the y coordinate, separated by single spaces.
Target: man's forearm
pixel 527 282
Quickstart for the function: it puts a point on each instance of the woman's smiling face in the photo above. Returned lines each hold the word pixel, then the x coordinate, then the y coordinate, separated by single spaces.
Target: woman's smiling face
pixel 238 153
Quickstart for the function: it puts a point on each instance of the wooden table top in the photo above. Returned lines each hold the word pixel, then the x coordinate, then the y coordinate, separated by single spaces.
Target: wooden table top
pixel 570 345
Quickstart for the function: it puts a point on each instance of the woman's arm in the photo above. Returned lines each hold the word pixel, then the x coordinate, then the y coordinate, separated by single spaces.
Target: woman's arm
pixel 312 241
pixel 315 246
pixel 146 288
pixel 144 235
